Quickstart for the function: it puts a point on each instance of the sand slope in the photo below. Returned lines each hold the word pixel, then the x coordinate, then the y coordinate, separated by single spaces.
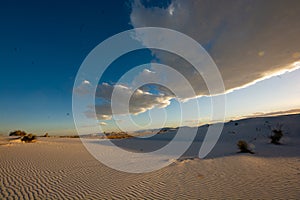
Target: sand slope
pixel 55 170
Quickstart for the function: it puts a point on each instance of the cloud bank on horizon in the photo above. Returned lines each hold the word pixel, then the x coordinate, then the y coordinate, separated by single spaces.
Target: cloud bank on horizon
pixel 248 40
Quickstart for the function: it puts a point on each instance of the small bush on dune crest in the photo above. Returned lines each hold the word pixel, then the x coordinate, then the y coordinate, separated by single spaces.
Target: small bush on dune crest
pixel 28 138
pixel 23 136
pixel 244 147
pixel 69 136
pixel 17 133
pixel 120 135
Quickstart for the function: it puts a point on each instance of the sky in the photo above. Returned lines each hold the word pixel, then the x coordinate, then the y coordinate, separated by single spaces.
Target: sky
pixel 254 44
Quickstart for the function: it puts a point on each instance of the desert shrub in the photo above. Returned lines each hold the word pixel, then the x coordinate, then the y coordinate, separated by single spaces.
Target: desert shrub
pixel 17 133
pixel 277 134
pixel 244 147
pixel 46 135
pixel 121 135
pixel 69 136
pixel 28 138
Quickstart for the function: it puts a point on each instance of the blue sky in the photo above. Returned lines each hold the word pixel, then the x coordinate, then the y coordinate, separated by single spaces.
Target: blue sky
pixel 42 47
pixel 44 43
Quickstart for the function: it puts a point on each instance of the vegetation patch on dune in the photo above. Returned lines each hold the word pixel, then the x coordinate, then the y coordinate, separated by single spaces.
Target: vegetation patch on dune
pixel 23 136
pixel 117 135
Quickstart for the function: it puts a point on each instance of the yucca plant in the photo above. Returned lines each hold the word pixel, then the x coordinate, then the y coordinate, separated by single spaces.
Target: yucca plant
pixel 277 134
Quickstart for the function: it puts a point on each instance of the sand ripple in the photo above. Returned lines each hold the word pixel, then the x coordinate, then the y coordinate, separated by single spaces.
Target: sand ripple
pixel 65 170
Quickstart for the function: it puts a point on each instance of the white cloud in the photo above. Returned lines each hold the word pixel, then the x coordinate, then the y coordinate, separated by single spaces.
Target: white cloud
pixel 140 101
pixel 104 117
pixel 83 88
pixel 159 74
pixel 86 82
pixel 103 123
pixel 90 114
pixel 249 40
pixel 275 113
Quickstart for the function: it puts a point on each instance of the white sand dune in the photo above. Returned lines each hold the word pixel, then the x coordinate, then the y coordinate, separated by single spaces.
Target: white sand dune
pixel 55 168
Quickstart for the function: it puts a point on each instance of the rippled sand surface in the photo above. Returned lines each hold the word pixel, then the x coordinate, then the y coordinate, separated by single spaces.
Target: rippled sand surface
pixel 63 169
